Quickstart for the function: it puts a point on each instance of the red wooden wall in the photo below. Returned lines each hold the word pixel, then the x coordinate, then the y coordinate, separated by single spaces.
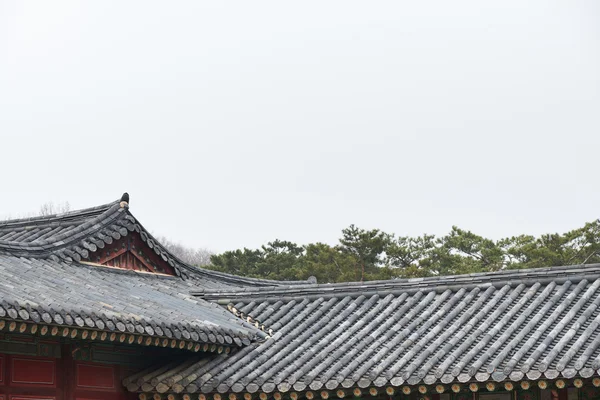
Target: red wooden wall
pixel 44 378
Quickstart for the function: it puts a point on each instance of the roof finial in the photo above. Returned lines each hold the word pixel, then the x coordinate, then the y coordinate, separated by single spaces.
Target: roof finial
pixel 124 200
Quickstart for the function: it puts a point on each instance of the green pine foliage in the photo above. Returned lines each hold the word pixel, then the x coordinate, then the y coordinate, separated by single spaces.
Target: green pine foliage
pixel 363 255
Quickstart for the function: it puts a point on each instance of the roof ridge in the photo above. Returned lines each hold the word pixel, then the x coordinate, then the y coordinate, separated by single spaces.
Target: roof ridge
pixel 225 296
pixel 211 273
pixel 65 239
pixel 59 216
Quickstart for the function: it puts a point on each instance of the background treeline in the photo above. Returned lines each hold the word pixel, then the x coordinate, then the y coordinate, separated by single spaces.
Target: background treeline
pixel 373 254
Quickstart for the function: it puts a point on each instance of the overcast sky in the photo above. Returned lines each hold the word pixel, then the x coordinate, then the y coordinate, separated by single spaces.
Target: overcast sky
pixel 235 123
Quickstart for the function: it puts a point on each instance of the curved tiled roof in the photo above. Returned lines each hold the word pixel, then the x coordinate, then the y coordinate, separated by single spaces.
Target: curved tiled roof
pixel 44 279
pixel 72 236
pixel 78 296
pixel 513 325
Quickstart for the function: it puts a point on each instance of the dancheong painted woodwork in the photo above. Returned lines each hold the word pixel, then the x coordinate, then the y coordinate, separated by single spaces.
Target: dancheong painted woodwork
pixel 92 306
pixel 130 252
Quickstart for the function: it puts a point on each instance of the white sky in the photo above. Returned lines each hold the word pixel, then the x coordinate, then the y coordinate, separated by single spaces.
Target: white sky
pixel 235 123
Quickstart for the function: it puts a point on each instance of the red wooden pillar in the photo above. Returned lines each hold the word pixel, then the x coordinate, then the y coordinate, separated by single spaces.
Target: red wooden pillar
pixel 563 394
pixel 2 378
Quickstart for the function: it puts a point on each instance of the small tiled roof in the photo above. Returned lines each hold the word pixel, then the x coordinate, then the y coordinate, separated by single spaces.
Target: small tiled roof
pixel 510 325
pixel 72 236
pixel 109 299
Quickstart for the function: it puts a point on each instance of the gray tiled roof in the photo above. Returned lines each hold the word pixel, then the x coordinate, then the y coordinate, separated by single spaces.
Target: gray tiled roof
pixel 43 278
pixel 84 296
pixel 511 325
pixel 74 235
